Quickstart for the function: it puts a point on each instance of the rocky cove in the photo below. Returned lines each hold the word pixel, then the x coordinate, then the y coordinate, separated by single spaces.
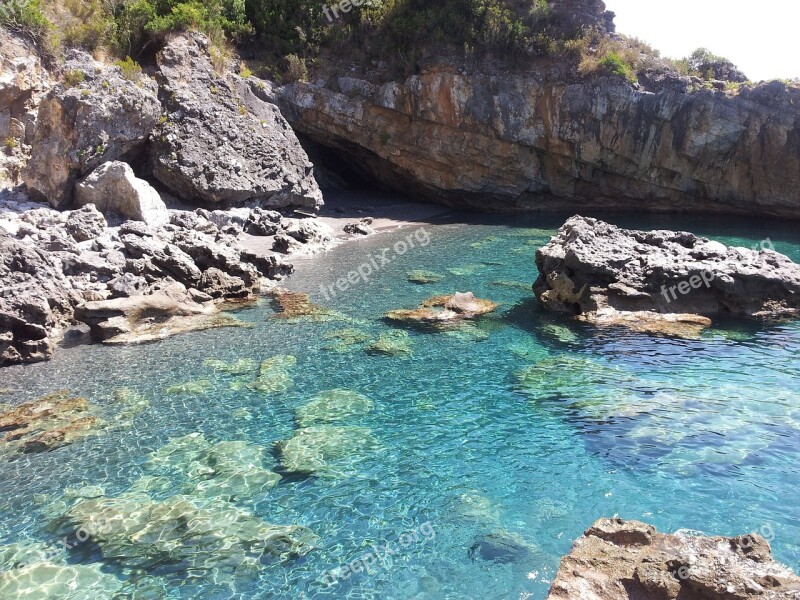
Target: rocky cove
pixel 293 430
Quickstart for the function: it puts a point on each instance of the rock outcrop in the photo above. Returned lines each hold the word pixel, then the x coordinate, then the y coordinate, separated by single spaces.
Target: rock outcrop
pixel 128 283
pixel 607 275
pixel 619 560
pixel 115 190
pixel 222 145
pixel 23 81
pixel 36 299
pixel 145 318
pixel 96 115
pixel 442 310
pixel 522 142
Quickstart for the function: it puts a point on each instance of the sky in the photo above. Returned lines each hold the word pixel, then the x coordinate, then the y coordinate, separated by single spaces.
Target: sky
pixel 762 38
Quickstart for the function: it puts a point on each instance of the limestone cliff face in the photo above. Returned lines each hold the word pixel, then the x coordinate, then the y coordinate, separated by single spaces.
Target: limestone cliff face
pixel 520 143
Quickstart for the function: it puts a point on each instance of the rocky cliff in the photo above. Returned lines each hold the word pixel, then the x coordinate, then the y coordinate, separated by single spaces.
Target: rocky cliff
pixel 520 142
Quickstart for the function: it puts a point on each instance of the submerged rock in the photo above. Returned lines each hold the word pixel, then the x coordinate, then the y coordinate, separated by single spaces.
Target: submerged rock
pixel 345 340
pixel 50 580
pixel 444 309
pixel 589 388
pixel 198 387
pixel 233 471
pixel 660 281
pixel 297 307
pixel 326 451
pixel 424 277
pixel 184 534
pixel 53 421
pixel 392 343
pixel 241 366
pixel 333 405
pixel 275 375
pixel 503 547
pixel 628 560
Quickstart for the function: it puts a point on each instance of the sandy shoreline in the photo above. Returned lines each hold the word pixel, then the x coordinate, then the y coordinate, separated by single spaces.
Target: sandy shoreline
pixel 389 212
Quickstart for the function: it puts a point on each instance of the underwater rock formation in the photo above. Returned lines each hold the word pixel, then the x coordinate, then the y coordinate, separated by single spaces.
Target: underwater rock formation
pixel 660 281
pixel 424 277
pixel 392 343
pixel 325 451
pixel 53 421
pixel 233 471
pixel 186 533
pixel 629 560
pixel 331 406
pixel 297 307
pixel 275 375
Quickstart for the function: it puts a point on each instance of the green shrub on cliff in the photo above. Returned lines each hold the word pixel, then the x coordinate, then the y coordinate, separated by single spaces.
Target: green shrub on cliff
pixel 140 23
pixel 614 64
pixel 26 18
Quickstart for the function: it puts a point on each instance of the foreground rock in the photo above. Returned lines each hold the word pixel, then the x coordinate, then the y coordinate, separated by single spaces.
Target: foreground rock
pixel 96 116
pixel 128 283
pixel 35 301
pixel 531 140
pixel 222 144
pixel 162 314
pixel 619 560
pixel 660 280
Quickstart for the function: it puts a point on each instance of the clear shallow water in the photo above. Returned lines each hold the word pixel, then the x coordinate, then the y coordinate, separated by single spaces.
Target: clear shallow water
pixel 528 425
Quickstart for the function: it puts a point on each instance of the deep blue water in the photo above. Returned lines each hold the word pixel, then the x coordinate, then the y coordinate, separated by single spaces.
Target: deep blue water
pixel 526 425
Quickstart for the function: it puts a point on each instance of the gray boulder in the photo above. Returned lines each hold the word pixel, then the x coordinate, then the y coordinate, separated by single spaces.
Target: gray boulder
pixel 222 145
pixel 97 116
pixel 605 274
pixel 35 301
pixel 86 223
pixel 115 190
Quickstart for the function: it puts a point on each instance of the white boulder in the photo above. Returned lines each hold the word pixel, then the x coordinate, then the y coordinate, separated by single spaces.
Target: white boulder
pixel 114 189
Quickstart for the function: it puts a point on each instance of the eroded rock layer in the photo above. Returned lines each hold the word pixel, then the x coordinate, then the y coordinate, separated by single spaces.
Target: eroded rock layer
pixel 504 142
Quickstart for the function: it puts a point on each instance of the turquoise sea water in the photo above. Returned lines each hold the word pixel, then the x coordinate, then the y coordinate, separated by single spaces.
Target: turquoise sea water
pixel 526 426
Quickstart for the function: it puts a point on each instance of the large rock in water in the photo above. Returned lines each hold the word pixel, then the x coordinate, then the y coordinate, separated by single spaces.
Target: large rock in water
pixel 97 116
pixel 500 141
pixel 605 274
pixel 114 189
pixel 222 145
pixel 619 560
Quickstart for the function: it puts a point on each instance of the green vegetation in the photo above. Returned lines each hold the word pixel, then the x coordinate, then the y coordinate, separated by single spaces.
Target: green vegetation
pixel 131 70
pixel 614 64
pixel 292 36
pixel 296 69
pixel 25 17
pixel 74 78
